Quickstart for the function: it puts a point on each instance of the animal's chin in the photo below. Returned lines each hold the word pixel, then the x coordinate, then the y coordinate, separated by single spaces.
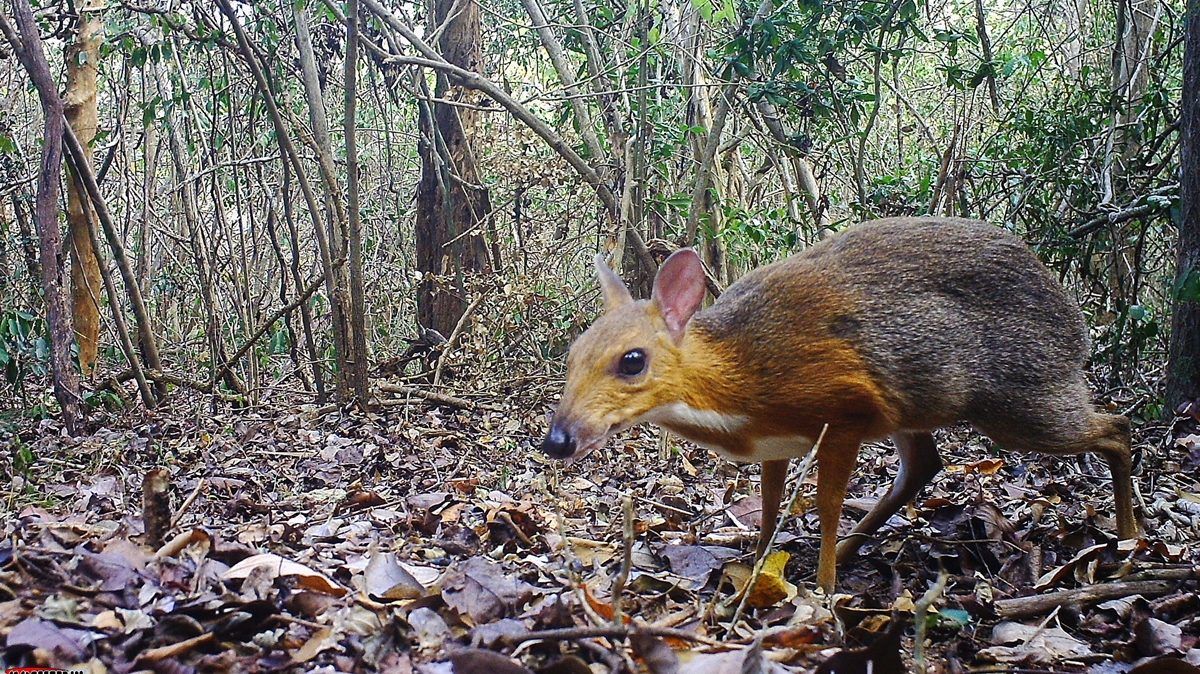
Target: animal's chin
pixel 595 443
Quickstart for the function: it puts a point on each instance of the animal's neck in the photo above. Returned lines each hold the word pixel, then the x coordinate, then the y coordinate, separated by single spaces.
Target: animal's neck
pixel 715 405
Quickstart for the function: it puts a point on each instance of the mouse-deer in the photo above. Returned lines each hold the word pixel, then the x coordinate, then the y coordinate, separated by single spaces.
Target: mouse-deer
pixel 893 327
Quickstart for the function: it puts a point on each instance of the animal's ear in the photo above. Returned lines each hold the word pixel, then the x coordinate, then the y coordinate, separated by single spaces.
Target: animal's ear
pixel 679 290
pixel 615 292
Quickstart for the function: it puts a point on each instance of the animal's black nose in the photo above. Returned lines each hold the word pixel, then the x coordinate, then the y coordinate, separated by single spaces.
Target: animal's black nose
pixel 558 443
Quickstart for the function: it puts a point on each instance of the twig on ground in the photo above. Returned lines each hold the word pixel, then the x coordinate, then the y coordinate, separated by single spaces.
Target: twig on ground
pixel 175 650
pixel 572 566
pixel 784 514
pixel 919 622
pixel 618 585
pixel 187 503
pixel 609 632
pixel 431 396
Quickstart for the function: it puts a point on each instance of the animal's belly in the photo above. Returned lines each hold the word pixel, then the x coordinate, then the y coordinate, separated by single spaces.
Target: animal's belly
pixel 752 450
pixel 730 435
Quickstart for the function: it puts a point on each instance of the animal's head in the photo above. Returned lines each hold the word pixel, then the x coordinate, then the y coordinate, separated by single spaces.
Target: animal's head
pixel 628 363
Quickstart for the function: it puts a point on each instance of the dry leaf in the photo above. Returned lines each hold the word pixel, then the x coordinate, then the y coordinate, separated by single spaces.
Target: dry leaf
pixel 386 579
pixel 1033 645
pixel 278 567
pixel 770 588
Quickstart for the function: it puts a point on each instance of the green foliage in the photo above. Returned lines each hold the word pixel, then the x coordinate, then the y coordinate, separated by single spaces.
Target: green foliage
pixel 24 347
pixel 23 457
pixel 103 399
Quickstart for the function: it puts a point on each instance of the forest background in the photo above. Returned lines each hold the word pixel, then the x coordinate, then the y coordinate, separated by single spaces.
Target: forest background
pixel 286 289
pixel 274 202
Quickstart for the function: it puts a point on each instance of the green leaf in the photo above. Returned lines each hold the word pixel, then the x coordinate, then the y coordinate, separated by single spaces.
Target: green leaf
pixel 24 458
pixel 954 618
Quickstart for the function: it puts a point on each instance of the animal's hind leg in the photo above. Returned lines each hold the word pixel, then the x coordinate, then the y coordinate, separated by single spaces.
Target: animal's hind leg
pixel 1106 435
pixel 919 463
pixel 1114 446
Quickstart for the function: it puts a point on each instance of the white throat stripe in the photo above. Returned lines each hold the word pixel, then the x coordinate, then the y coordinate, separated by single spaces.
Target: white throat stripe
pixel 682 414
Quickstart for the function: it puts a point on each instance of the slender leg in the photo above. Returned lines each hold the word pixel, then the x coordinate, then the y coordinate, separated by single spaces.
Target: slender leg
pixel 774 473
pixel 1114 447
pixel 1106 435
pixel 836 459
pixel 919 463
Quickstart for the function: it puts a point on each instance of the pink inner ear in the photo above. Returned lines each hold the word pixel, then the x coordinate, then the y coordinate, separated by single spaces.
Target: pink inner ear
pixel 679 289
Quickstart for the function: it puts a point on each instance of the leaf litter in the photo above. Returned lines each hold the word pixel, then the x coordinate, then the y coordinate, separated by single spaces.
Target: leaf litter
pixel 434 540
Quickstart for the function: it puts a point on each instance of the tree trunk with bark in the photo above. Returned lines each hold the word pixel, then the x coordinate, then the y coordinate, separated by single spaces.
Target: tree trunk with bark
pixel 453 208
pixel 82 59
pixel 28 47
pixel 1183 368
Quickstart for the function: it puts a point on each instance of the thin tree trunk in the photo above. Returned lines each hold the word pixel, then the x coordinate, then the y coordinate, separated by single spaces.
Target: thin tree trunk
pixel 146 339
pixel 343 300
pixel 1183 367
pixel 114 305
pixel 288 150
pixel 28 47
pixel 566 73
pixel 320 122
pixel 79 101
pixel 985 44
pixel 357 358
pixel 310 342
pixel 805 180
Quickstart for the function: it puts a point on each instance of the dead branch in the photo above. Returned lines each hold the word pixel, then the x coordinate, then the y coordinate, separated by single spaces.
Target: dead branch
pixel 1115 217
pixel 432 396
pixel 608 632
pixel 166 378
pixel 1024 607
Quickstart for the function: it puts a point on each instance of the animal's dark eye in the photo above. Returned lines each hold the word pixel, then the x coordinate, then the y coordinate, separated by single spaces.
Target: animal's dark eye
pixel 633 362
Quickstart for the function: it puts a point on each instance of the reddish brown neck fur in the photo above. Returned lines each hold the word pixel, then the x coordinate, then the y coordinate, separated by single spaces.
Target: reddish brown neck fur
pixel 779 394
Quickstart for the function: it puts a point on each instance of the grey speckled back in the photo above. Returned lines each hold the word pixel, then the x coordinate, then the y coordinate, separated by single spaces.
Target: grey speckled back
pixel 958 318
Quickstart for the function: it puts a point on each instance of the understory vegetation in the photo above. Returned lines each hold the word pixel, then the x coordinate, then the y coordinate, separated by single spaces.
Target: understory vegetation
pixel 287 287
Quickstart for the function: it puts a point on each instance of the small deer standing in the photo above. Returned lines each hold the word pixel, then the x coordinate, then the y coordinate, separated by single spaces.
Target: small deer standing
pixel 893 327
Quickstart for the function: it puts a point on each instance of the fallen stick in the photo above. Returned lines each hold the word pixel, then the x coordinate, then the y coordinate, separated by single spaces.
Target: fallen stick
pixel 187 503
pixel 1023 607
pixel 605 631
pixel 440 398
pixel 920 611
pixel 175 650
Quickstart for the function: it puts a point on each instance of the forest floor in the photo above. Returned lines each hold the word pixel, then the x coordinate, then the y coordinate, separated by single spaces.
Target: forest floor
pixel 300 538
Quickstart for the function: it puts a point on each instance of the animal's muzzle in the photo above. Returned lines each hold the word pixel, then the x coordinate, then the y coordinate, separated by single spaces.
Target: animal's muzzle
pixel 559 443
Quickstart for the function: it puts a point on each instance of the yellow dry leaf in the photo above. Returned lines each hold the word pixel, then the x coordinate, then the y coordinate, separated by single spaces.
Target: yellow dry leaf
pixel 591 552
pixel 771 587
